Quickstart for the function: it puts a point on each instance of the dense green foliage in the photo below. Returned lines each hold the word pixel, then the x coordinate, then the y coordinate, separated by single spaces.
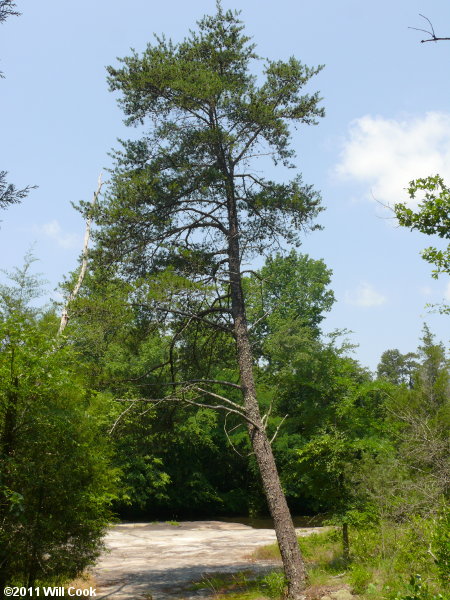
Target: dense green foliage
pixel 55 483
pixel 128 353
pixel 431 217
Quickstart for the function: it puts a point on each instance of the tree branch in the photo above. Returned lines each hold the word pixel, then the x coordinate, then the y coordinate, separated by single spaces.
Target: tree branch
pixel 119 418
pixel 84 260
pixel 278 428
pixel 431 33
pixel 193 403
pixel 228 437
pixel 217 396
pixel 218 381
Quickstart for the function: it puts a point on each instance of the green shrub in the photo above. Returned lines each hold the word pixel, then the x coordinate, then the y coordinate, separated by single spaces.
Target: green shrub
pixel 441 544
pixel 418 590
pixel 359 578
pixel 273 584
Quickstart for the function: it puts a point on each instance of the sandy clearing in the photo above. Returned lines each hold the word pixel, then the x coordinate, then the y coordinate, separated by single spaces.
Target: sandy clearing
pixel 160 561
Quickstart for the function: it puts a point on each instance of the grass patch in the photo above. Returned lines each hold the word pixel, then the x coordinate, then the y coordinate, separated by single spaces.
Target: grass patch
pixel 219 582
pixel 83 582
pixel 243 585
pixel 270 552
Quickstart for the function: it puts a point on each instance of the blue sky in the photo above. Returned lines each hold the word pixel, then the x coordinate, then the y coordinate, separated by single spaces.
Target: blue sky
pixel 387 101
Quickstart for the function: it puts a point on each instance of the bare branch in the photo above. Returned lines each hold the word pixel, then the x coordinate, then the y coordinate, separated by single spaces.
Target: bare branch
pixel 432 34
pixel 119 418
pixel 247 145
pixel 217 396
pixel 430 552
pixel 218 381
pixel 199 317
pixel 255 179
pixel 193 403
pixel 253 325
pixel 194 317
pixel 159 366
pixel 84 259
pixel 278 428
pixel 228 437
pixel 430 23
pixel 265 417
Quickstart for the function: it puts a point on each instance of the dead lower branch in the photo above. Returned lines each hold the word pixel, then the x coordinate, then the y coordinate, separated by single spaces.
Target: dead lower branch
pixel 278 428
pixel 228 436
pixel 189 381
pixel 119 418
pixel 191 402
pixel 433 37
pixel 84 259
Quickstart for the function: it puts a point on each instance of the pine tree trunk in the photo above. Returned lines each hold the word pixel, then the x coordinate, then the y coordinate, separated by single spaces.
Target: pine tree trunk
pixel 284 528
pixel 287 540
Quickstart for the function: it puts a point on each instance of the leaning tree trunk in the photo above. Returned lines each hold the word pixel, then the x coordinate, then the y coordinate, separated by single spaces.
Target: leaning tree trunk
pixel 284 528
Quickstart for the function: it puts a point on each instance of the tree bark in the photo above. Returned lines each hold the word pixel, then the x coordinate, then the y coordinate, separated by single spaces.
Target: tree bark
pixel 345 542
pixel 284 528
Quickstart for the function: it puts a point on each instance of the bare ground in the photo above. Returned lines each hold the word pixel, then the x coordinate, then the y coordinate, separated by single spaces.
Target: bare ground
pixel 161 561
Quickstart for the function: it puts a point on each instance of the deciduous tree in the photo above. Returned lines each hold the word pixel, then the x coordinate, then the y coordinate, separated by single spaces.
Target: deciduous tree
pixel 431 217
pixel 396 367
pixel 55 482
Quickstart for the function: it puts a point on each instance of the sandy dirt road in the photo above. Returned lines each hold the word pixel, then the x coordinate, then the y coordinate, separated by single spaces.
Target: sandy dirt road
pixel 161 561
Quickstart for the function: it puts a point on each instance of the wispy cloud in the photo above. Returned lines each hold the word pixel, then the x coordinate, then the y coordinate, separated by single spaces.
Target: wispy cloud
pixel 447 292
pixel 386 154
pixel 54 231
pixel 365 295
pixel 426 290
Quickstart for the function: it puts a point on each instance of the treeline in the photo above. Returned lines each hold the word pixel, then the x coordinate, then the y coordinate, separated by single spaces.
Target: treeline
pixel 91 426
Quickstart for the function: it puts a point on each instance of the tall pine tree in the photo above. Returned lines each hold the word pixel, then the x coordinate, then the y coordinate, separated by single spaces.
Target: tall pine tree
pixel 186 197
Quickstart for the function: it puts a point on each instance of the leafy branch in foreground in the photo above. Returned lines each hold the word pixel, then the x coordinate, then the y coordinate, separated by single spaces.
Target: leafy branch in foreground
pixel 432 217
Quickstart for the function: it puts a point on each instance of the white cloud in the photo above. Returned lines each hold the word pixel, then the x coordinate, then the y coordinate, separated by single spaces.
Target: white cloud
pixel 426 291
pixel 365 295
pixel 447 292
pixel 54 231
pixel 386 154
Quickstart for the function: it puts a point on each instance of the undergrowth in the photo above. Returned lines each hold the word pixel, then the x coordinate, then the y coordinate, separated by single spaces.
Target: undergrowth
pixel 388 562
pixel 243 585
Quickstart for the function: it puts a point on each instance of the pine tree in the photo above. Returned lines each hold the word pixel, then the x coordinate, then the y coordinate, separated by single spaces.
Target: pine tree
pixel 187 208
